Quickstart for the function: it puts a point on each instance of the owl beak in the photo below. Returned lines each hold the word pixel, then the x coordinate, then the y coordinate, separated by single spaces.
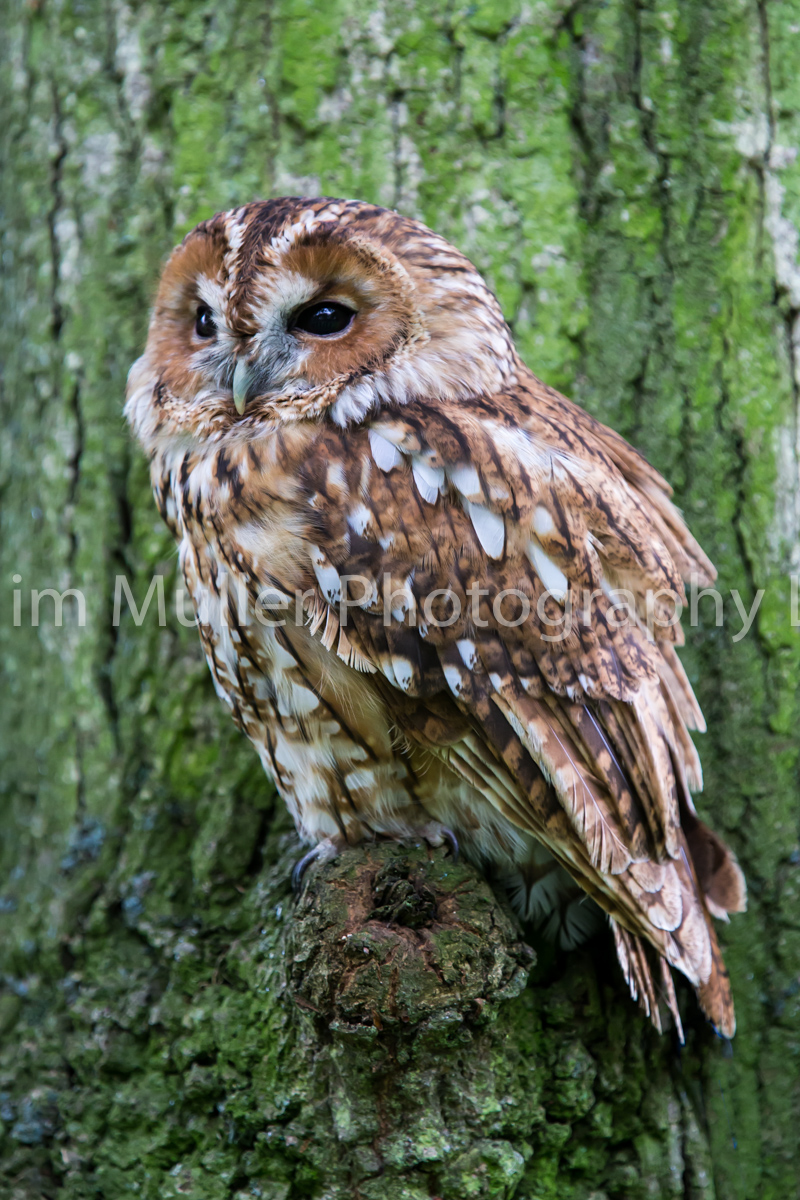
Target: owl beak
pixel 242 378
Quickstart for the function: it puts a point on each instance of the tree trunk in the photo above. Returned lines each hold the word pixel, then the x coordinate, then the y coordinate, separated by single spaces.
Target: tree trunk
pixel 625 174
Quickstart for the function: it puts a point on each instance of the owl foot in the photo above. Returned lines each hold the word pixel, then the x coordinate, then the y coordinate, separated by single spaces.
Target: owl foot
pixel 324 851
pixel 452 841
pixel 436 835
pixel 330 848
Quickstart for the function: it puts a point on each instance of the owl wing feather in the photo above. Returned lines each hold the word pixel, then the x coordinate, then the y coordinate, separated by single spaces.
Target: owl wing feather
pixel 577 735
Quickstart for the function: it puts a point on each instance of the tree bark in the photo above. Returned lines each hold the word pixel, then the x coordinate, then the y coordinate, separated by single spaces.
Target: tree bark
pixel 626 176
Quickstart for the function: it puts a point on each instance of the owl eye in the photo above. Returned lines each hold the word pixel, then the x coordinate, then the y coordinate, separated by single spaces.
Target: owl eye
pixel 204 325
pixel 324 318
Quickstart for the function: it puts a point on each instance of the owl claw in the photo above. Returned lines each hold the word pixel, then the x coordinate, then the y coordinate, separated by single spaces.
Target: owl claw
pixel 299 870
pixel 452 842
pixel 324 851
pixel 328 849
pixel 436 835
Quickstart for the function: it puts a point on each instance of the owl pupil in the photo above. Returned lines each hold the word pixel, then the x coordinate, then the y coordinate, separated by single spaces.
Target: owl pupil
pixel 204 325
pixel 325 318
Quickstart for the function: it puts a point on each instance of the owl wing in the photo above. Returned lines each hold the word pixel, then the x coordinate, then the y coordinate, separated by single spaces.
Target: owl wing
pixel 512 562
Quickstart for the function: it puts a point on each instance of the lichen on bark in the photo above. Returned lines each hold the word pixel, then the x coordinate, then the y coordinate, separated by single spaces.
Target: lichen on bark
pixel 626 175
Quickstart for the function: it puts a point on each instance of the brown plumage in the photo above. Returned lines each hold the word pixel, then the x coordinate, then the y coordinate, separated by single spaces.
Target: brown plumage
pixel 409 556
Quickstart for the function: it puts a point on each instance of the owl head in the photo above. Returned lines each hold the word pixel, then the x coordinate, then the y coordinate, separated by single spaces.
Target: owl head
pixel 290 309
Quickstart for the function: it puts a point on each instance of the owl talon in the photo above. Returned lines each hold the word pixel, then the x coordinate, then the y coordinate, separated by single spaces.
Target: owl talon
pixel 323 852
pixel 436 835
pixel 452 842
pixel 299 870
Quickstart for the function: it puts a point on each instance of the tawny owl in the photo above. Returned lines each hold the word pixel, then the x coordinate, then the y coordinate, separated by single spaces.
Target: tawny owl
pixel 407 554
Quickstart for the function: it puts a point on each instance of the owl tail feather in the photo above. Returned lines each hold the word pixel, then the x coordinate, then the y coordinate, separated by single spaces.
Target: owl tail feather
pixel 714 995
pixel 718 887
pixel 718 873
pixel 649 979
pixel 634 958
